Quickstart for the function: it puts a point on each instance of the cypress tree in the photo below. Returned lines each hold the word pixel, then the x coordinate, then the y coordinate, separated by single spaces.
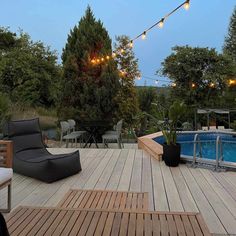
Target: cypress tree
pixel 88 89
pixel 230 40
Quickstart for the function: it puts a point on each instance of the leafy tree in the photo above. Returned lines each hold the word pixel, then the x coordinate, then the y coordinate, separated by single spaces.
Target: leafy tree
pixel 128 65
pixel 5 106
pixel 146 97
pixel 28 70
pixel 200 74
pixel 89 88
pixel 230 40
pixel 7 39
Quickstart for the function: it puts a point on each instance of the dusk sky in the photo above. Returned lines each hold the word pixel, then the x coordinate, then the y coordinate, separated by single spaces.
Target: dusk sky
pixel 205 24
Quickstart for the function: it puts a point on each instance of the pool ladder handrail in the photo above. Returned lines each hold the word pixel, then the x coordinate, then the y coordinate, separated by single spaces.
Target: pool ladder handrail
pixel 219 152
pixel 195 142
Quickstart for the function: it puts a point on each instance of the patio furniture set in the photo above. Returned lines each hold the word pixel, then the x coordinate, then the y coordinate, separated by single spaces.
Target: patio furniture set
pixel 90 133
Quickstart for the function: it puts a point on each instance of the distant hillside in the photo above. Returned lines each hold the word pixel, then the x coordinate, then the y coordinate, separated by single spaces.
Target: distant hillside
pixel 160 90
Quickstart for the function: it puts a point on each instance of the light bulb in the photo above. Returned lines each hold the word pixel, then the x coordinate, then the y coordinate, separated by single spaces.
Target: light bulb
pixel 131 44
pixel 144 35
pixel 187 5
pixel 93 61
pixel 161 23
pixel 122 50
pixel 212 85
pixel 173 85
pixel 113 54
pixel 98 60
pixel 102 59
pixel 193 85
pixel 107 57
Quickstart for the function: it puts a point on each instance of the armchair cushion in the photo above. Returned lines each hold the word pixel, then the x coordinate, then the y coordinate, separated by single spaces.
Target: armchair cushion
pixel 5 175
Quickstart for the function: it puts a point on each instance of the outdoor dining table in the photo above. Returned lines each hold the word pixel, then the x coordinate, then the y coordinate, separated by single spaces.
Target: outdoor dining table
pixel 93 128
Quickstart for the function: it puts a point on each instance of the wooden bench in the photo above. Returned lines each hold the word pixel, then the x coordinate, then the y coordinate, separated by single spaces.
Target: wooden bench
pixel 60 221
pixel 100 199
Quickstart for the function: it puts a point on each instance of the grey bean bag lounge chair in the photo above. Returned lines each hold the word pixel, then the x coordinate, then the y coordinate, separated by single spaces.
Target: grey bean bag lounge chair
pixel 31 157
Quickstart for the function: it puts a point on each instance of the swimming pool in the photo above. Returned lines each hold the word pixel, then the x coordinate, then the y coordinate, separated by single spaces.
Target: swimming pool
pixel 207 147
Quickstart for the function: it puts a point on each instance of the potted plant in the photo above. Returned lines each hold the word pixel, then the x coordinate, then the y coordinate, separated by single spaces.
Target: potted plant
pixel 171 149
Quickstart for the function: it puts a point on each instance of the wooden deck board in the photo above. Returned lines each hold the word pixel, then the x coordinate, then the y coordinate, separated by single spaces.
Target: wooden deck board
pixel 86 221
pixel 117 170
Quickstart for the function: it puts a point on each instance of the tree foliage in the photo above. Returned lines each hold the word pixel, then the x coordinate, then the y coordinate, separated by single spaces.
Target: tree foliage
pixel 128 65
pixel 28 70
pixel 230 40
pixel 88 89
pixel 200 74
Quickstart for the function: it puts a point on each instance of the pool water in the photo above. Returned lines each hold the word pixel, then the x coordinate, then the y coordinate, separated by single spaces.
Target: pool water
pixel 208 145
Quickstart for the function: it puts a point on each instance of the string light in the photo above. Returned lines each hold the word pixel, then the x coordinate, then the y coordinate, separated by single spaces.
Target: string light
pixel 193 85
pixel 144 35
pixel 161 23
pixel 212 85
pixel 187 5
pixel 131 44
pixel 232 82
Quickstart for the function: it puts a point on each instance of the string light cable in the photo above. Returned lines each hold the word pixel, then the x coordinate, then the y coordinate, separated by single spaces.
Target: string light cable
pixel 143 35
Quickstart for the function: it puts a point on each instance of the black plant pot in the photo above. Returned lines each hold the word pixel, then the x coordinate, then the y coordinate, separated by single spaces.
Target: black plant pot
pixel 171 154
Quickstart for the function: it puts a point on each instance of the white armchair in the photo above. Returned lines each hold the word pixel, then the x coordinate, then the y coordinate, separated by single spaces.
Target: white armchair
pixel 6 171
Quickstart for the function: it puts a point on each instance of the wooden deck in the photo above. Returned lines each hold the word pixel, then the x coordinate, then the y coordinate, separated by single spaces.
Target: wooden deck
pixel 53 221
pixel 180 189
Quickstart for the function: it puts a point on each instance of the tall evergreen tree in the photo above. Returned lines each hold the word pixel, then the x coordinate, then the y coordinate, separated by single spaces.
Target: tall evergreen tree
pixel 128 65
pixel 230 40
pixel 88 88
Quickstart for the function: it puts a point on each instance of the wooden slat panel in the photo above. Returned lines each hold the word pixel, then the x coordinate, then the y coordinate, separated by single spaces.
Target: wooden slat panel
pixel 59 221
pixel 99 199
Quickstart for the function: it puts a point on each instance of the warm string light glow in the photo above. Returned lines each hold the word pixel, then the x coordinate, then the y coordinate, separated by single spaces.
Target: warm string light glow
pixel 187 5
pixel 161 23
pixel 232 82
pixel 143 35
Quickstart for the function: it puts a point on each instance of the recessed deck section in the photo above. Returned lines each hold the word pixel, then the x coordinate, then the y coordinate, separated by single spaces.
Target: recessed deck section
pixel 180 189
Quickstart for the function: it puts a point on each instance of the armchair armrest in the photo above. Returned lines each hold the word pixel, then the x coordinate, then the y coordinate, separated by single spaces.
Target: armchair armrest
pixel 6 153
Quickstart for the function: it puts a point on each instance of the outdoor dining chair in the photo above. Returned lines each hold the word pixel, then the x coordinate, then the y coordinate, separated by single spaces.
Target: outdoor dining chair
pixel 81 133
pixel 114 135
pixel 68 133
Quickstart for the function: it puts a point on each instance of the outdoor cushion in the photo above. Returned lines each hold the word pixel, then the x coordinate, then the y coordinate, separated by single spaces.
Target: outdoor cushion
pixel 32 159
pixel 5 174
